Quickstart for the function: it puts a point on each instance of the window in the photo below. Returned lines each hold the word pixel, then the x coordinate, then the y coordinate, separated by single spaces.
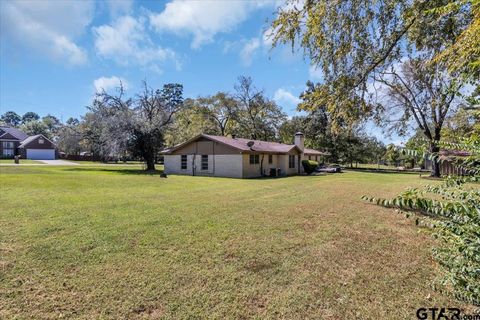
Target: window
pixel 291 161
pixel 41 141
pixel 254 159
pixel 184 162
pixel 8 148
pixel 204 162
pixel 309 158
pixel 270 159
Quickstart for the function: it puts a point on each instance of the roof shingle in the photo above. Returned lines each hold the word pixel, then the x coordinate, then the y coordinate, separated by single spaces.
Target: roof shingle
pixel 242 144
pixel 20 135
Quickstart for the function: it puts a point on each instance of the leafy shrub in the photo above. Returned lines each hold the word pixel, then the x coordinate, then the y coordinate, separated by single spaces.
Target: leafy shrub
pixel 452 210
pixel 309 166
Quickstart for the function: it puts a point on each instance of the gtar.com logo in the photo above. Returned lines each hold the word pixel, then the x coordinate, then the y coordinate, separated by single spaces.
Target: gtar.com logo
pixel 444 314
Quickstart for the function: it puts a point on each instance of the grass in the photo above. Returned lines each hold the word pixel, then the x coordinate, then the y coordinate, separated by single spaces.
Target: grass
pixel 115 243
pixel 22 161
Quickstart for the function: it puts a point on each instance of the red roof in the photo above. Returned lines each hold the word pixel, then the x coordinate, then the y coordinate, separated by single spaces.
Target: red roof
pixel 243 145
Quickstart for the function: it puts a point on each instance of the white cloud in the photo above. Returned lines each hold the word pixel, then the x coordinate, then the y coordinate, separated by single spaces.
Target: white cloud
pixel 203 19
pixel 112 82
pixel 126 42
pixel 248 50
pixel 315 73
pixel 48 27
pixel 119 7
pixel 267 37
pixel 285 97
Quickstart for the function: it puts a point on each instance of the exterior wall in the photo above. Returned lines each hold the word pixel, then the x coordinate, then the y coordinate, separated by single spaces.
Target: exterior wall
pixel 36 145
pixel 16 143
pixel 206 147
pixel 446 168
pixel 228 165
pixel 253 170
pixel 284 164
pixel 279 162
pixel 219 165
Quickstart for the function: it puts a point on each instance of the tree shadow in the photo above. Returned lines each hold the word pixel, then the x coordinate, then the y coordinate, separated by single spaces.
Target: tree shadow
pixel 386 171
pixel 116 170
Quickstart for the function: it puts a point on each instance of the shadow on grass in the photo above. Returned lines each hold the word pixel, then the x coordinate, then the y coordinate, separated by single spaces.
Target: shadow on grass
pixel 115 170
pixel 384 171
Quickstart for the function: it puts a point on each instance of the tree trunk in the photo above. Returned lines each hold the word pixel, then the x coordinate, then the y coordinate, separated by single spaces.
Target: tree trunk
pixel 150 164
pixel 150 161
pixel 435 171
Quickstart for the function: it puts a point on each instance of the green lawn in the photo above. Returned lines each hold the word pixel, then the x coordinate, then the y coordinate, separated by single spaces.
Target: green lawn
pixel 22 161
pixel 111 243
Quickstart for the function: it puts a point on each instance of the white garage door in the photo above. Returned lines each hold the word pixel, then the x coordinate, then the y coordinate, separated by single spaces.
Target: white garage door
pixel 41 154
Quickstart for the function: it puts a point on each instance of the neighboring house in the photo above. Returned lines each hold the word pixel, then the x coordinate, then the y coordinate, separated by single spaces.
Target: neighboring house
pixel 207 155
pixel 449 161
pixel 14 142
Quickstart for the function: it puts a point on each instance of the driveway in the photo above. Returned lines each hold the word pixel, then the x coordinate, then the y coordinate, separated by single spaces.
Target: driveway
pixel 58 162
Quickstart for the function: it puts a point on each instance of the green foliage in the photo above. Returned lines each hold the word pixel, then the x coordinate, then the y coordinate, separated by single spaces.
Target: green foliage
pixel 309 166
pixel 34 127
pixel 453 210
pixel 11 118
pixel 30 116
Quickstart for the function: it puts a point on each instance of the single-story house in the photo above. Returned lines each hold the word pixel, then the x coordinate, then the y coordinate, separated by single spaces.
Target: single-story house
pixel 15 142
pixel 219 156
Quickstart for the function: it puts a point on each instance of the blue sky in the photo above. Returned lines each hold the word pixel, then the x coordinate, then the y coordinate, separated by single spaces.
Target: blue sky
pixel 55 54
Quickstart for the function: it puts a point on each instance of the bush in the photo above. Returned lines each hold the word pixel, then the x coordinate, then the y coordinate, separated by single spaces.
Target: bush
pixel 309 166
pixel 452 210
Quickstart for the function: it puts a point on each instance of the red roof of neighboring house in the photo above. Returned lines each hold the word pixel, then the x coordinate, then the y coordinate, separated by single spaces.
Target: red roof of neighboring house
pixel 455 153
pixel 242 144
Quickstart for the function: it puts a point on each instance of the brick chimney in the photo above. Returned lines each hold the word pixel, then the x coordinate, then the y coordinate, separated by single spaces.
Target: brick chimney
pixel 300 140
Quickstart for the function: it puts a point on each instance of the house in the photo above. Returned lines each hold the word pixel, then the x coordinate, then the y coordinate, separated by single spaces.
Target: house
pixel 208 155
pixel 14 142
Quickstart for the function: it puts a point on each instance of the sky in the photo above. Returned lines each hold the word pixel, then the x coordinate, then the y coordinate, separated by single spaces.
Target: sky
pixel 56 54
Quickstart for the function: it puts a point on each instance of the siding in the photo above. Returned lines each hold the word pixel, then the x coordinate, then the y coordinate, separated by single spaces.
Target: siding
pixel 222 165
pixel 34 144
pixel 279 162
pixel 16 143
pixel 206 147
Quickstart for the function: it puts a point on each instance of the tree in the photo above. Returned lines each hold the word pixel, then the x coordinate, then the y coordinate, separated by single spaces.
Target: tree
pixel 340 40
pixel 154 111
pixel 463 55
pixel 35 127
pixel 69 137
pixel 352 41
pixel 221 108
pixel 107 125
pixel 11 118
pixel 52 123
pixel 421 94
pixel 72 121
pixel 190 121
pixel 30 116
pixel 257 117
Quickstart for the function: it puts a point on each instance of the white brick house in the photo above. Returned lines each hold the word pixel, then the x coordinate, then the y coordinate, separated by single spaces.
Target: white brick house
pixel 207 155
